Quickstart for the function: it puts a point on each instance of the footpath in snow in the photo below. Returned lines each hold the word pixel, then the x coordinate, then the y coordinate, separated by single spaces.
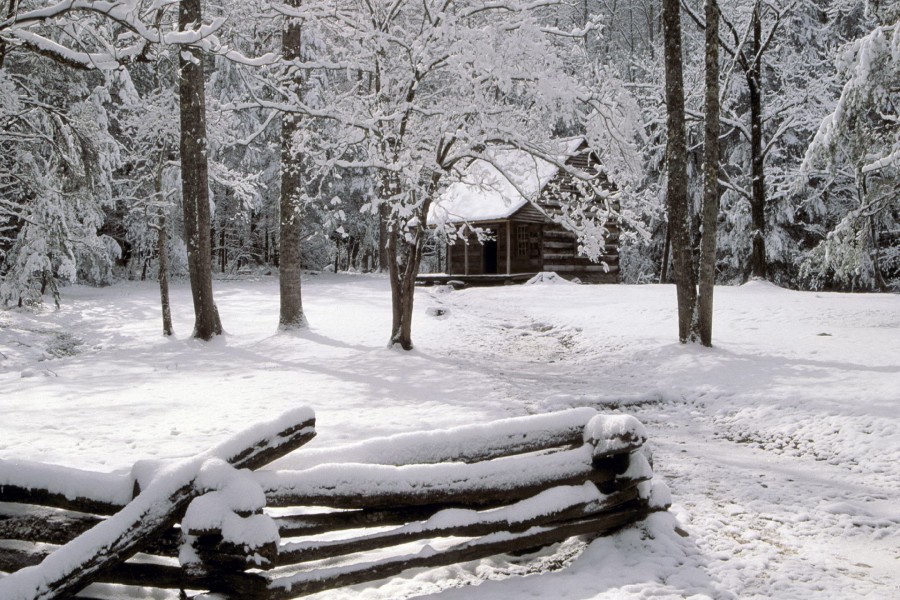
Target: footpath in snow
pixel 781 444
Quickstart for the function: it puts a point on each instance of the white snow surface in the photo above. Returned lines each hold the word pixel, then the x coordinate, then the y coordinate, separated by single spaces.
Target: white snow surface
pixel 497 187
pixel 781 445
pixel 549 278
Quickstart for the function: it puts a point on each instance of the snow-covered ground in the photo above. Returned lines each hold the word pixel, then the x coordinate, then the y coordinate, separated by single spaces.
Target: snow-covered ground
pixel 781 445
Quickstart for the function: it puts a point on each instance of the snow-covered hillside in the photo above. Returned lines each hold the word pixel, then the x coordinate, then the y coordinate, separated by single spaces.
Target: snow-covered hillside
pixel 781 445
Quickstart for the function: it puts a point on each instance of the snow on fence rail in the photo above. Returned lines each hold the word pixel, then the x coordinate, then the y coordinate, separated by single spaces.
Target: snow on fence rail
pixel 513 485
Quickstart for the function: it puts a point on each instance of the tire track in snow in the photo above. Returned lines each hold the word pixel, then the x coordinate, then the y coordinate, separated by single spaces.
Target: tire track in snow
pixel 772 523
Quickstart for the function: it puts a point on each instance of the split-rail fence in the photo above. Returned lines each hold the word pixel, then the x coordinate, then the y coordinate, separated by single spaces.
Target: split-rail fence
pixel 221 523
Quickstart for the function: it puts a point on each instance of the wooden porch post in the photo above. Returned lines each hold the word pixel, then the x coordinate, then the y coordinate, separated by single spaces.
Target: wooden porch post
pixel 508 247
pixel 449 256
pixel 466 253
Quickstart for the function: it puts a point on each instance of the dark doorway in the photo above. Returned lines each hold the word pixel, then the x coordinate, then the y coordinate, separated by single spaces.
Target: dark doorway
pixel 490 255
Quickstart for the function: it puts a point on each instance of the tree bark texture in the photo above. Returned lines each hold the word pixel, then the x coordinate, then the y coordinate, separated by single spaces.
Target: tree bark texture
pixel 195 178
pixel 289 267
pixel 676 164
pixel 162 247
pixel 383 214
pixel 404 258
pixel 664 267
pixel 707 274
pixel 757 173
pixel 11 7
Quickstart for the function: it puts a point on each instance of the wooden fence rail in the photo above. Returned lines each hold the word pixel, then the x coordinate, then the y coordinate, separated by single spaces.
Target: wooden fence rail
pixel 408 501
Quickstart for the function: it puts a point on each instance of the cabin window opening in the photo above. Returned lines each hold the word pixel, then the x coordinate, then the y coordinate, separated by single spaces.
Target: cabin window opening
pixel 522 240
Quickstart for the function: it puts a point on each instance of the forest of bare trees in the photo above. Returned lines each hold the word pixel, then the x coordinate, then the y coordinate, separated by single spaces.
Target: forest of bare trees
pixel 141 139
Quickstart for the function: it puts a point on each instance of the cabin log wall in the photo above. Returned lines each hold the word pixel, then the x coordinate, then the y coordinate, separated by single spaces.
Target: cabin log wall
pixel 551 247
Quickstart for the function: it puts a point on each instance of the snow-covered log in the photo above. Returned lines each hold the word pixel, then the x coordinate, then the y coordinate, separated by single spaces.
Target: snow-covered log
pixel 497 543
pixel 554 505
pixel 381 486
pixel 127 573
pixel 63 487
pixel 51 526
pixel 255 586
pixel 563 474
pixel 466 444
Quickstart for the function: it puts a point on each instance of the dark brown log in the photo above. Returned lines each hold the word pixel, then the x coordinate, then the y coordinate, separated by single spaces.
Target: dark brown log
pixel 128 573
pixel 220 555
pixel 37 524
pixel 483 524
pixel 14 493
pixel 14 558
pixel 236 585
pixel 138 524
pixel 317 523
pixel 325 579
pixel 49 526
pixel 268 450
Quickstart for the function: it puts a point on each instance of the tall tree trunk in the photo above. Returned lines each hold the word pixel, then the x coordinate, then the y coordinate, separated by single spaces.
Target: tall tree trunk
pixel 162 247
pixel 862 193
pixel 12 7
pixel 664 267
pixel 289 267
pixel 757 173
pixel 707 275
pixel 337 255
pixel 676 163
pixel 404 258
pixel 383 241
pixel 223 255
pixel 195 178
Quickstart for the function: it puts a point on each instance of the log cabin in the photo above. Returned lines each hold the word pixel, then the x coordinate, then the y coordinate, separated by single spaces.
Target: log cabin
pixel 514 206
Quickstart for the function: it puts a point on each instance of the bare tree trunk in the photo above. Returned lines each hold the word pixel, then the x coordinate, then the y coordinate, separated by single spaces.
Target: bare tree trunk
pixel 289 267
pixel 757 172
pixel 195 178
pixel 404 258
pixel 667 245
pixel 383 240
pixel 223 255
pixel 396 288
pixel 162 247
pixel 862 192
pixel 11 8
pixel 707 275
pixel 337 255
pixel 676 162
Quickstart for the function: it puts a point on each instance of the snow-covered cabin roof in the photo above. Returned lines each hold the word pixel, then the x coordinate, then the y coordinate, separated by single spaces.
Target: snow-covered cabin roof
pixel 496 188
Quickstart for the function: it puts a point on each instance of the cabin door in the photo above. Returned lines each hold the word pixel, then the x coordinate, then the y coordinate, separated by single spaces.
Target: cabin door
pixel 490 255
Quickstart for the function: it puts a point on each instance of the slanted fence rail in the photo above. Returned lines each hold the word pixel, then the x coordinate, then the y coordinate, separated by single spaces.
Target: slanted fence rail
pixel 337 517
